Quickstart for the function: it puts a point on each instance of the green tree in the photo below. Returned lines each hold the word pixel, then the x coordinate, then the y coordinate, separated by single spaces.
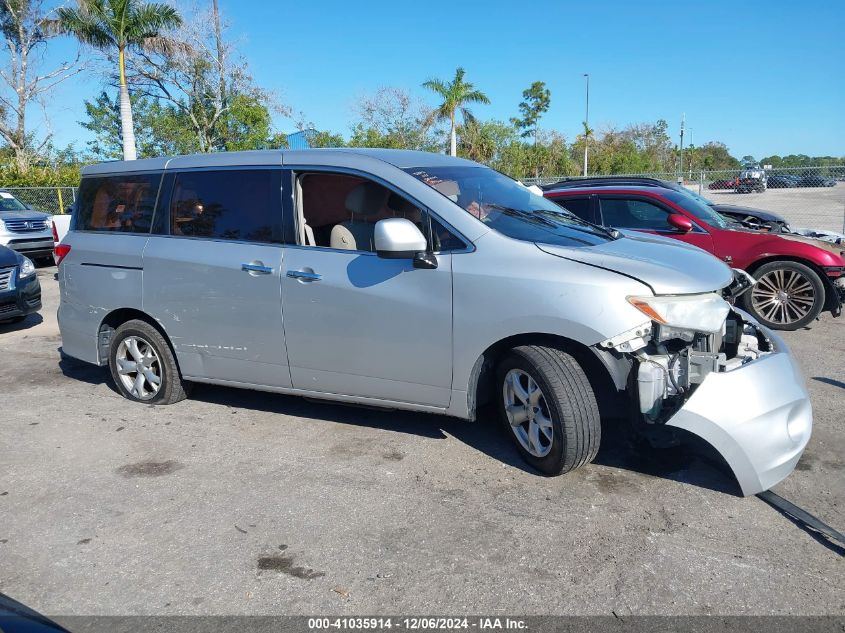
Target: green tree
pixel 392 118
pixel 122 25
pixel 26 28
pixel 162 129
pixel 159 130
pixel 325 138
pixel 486 141
pixel 535 102
pixel 715 156
pixel 455 94
pixel 248 124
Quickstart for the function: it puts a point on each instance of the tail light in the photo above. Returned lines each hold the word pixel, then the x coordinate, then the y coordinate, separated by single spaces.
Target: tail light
pixel 55 233
pixel 60 252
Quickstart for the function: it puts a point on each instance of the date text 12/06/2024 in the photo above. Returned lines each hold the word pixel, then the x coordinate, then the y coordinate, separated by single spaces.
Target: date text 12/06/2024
pixel 416 623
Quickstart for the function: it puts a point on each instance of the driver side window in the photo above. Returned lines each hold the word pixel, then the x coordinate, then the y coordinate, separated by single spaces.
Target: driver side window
pixel 633 214
pixel 340 211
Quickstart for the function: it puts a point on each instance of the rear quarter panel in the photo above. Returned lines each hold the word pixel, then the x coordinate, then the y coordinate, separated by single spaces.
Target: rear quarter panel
pixel 103 272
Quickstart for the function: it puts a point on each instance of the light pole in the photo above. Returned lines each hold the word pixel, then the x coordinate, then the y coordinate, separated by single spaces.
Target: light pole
pixel 681 160
pixel 587 124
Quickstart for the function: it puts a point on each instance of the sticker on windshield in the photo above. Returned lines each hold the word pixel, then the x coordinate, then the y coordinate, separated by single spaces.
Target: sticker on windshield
pixel 7 196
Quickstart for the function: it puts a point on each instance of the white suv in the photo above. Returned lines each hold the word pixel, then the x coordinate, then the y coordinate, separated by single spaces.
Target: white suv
pixel 23 229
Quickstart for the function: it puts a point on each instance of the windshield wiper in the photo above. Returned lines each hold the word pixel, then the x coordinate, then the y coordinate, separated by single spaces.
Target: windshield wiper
pixel 527 215
pixel 607 230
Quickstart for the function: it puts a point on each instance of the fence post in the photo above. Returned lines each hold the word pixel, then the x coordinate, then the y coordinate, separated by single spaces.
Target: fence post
pixel 61 205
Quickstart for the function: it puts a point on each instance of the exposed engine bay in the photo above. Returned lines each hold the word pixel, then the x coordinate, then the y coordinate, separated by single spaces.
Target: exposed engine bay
pixel 667 363
pixel 668 370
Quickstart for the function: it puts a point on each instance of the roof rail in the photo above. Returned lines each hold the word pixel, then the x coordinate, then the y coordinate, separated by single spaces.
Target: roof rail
pixel 593 181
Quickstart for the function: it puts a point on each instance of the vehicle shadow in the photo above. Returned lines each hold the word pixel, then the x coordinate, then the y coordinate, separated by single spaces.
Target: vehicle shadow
pixel 30 321
pixel 691 461
pixel 694 463
pixel 830 381
pixel 86 372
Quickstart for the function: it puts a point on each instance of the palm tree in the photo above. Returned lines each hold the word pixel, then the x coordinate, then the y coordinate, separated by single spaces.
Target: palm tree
pixel 120 24
pixel 455 94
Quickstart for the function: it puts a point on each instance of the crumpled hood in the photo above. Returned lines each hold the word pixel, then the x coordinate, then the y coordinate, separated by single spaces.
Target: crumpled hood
pixel 666 265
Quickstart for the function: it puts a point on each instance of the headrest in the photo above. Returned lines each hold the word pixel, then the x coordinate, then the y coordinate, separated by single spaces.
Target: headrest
pixel 366 199
pixel 395 202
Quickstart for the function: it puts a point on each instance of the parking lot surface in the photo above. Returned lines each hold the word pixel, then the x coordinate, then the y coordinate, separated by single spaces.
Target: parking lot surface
pixel 238 502
pixel 821 208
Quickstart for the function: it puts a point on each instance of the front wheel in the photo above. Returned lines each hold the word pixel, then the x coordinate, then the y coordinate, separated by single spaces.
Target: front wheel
pixel 143 366
pixel 787 295
pixel 549 407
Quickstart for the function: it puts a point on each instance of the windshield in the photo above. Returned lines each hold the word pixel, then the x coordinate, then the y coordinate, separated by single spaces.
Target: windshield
pixel 698 209
pixel 8 202
pixel 509 207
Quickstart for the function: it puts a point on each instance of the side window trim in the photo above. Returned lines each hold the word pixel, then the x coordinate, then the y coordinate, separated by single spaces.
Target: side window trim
pixel 293 216
pixel 161 215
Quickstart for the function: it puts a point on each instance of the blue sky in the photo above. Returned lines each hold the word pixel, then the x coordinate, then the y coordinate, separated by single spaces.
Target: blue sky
pixel 764 77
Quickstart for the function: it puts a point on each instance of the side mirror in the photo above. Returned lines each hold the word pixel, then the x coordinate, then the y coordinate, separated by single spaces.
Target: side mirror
pixel 680 222
pixel 398 238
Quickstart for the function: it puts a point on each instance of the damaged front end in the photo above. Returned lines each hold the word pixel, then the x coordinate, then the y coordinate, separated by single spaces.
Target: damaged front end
pixel 705 366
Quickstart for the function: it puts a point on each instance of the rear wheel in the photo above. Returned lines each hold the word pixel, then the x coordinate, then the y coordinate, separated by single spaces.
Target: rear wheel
pixel 143 366
pixel 549 407
pixel 787 295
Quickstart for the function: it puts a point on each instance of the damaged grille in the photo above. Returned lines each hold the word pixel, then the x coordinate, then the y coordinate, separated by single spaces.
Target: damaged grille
pixel 6 276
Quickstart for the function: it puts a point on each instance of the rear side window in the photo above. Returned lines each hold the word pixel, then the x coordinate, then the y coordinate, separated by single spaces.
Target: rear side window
pixel 117 203
pixel 244 205
pixel 578 206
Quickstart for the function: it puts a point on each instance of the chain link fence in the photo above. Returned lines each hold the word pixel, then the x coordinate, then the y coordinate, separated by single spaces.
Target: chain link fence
pixel 806 197
pixel 47 199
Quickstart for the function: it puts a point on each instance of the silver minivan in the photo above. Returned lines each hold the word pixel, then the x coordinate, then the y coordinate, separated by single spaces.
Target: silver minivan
pixel 418 281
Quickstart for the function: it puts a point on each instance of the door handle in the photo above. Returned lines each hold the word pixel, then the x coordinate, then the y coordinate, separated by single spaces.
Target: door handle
pixel 304 275
pixel 256 268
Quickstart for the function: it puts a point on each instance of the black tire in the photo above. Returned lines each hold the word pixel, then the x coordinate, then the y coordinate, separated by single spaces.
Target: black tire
pixel 569 403
pixel 171 388
pixel 793 315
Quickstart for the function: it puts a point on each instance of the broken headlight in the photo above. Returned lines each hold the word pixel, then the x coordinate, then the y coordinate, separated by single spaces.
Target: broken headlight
pixel 685 313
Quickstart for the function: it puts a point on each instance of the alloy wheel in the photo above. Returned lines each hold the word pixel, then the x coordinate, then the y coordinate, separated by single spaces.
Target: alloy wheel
pixel 783 296
pixel 528 412
pixel 138 367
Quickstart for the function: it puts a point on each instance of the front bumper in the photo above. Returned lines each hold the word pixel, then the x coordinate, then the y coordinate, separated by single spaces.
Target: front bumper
pixel 23 299
pixel 758 416
pixel 30 244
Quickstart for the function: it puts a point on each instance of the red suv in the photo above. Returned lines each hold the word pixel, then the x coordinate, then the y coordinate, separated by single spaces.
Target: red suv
pixel 796 280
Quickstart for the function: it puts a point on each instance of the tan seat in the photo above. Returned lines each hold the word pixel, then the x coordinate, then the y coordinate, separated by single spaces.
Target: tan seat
pixel 365 200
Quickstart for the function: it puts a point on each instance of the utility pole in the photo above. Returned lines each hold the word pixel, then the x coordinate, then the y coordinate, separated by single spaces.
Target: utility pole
pixel 587 124
pixel 681 159
pixel 691 148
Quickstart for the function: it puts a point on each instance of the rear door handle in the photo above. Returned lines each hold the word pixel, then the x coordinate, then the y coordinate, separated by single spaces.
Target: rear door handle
pixel 257 268
pixel 304 275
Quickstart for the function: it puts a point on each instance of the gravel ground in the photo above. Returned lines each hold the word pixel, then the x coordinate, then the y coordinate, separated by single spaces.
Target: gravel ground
pixel 237 502
pixel 806 208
